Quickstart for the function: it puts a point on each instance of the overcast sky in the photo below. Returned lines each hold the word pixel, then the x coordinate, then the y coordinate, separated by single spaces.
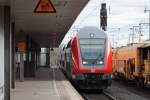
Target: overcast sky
pixel 123 14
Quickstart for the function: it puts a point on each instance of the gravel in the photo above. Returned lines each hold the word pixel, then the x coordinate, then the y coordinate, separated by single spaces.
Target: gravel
pixel 123 94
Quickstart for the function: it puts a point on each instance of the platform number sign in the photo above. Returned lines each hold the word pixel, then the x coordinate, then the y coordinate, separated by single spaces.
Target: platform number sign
pixel 45 6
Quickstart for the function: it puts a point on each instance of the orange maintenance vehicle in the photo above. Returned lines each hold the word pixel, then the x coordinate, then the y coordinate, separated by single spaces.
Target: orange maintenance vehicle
pixel 132 63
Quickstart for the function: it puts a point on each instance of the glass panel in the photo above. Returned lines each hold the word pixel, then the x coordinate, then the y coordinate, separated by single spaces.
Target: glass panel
pixel 92 41
pixel 92 51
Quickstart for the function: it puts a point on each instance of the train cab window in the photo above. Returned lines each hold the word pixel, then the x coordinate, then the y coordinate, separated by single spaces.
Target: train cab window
pixel 93 50
pixel 69 44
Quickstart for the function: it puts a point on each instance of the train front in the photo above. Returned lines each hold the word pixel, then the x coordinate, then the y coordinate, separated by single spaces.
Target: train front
pixel 92 51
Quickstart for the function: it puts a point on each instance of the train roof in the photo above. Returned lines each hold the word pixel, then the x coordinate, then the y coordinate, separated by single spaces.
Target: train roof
pixel 86 32
pixel 134 45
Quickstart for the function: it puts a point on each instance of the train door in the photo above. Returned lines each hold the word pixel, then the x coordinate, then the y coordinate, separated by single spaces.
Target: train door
pixel 145 63
pixel 63 58
pixel 68 58
pixel 131 68
pixel 126 69
pixel 145 57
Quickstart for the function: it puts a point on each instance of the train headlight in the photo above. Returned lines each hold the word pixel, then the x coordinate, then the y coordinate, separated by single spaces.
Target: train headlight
pixel 85 62
pixel 100 62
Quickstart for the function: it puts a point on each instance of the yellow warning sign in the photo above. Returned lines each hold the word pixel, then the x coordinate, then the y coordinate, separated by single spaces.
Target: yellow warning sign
pixel 45 6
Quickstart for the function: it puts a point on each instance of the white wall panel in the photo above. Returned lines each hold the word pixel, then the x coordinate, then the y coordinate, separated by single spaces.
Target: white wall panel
pixel 1 54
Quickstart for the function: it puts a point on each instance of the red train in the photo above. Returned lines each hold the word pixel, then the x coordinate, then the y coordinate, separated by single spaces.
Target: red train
pixel 87 59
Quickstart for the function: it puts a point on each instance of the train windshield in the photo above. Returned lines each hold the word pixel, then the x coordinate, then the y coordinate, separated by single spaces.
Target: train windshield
pixel 92 50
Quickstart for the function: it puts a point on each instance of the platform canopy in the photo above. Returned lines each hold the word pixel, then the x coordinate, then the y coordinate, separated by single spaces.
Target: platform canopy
pixel 47 29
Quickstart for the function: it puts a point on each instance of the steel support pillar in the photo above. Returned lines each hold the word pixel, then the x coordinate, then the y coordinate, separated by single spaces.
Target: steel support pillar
pixel 32 65
pixel 7 52
pixel 13 62
pixel 47 59
pixel 21 67
pixel 27 66
pixel 2 52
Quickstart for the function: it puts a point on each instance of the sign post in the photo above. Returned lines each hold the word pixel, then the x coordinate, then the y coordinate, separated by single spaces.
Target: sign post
pixel 21 49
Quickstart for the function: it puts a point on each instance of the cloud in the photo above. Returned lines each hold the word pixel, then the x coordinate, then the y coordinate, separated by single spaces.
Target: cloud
pixel 123 14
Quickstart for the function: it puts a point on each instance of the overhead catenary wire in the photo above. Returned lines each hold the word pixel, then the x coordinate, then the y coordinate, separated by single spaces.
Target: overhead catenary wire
pixel 87 16
pixel 74 28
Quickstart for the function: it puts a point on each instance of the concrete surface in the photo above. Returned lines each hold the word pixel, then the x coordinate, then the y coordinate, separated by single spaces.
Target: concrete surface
pixel 49 84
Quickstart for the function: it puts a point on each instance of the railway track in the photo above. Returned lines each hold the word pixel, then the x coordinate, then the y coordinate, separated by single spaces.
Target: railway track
pixel 98 96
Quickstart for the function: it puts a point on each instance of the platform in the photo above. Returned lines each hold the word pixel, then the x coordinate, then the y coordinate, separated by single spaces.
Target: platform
pixel 49 84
